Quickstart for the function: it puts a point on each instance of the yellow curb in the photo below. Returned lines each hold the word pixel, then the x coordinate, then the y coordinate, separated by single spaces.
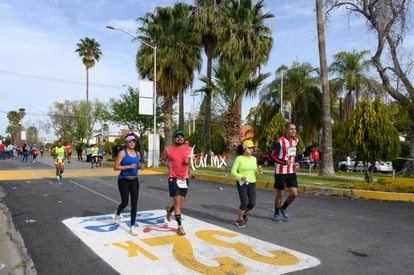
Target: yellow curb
pixel 388 196
pixel 71 173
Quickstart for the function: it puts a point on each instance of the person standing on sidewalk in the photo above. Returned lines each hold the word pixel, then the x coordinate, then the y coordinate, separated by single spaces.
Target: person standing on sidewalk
pixel 177 158
pixel 79 152
pixel 59 153
pixel 127 162
pixel 245 170
pixel 285 157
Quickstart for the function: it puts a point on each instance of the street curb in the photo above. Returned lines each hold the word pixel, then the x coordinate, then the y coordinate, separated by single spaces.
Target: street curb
pixel 350 193
pixel 14 258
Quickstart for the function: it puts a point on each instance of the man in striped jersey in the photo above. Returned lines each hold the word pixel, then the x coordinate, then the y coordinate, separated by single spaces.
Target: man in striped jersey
pixel 285 157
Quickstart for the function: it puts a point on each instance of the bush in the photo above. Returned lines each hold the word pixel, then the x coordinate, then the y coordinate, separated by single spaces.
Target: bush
pixel 399 185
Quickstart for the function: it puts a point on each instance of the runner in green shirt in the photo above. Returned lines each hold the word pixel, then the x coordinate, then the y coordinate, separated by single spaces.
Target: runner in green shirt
pixel 59 154
pixel 245 170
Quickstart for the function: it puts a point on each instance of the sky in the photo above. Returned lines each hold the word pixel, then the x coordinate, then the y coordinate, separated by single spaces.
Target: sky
pixel 39 65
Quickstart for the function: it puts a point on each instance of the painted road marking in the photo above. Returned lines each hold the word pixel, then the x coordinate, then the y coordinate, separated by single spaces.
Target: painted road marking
pixel 205 249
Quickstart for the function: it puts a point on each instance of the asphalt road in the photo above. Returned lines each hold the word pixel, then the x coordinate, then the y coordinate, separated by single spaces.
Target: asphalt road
pixel 347 236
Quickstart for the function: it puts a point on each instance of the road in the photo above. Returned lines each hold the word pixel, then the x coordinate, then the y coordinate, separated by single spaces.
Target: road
pixel 347 236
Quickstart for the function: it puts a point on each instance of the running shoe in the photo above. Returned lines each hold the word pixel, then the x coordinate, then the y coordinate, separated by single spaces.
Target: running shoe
pixel 277 218
pixel 284 214
pixel 169 214
pixel 117 219
pixel 133 231
pixel 240 223
pixel 245 219
pixel 180 230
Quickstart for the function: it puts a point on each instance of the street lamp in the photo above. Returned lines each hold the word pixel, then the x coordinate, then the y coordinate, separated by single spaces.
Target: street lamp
pixel 154 48
pixel 281 89
pixel 193 95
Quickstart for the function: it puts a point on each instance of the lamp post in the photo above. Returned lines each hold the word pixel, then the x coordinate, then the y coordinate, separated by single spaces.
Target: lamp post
pixel 281 93
pixel 281 88
pixel 154 48
pixel 193 95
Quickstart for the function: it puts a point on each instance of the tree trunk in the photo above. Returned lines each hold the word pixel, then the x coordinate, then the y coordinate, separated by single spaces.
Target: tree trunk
pixel 168 111
pixel 232 132
pixel 207 124
pixel 326 168
pixel 369 173
pixel 87 106
pixel 408 168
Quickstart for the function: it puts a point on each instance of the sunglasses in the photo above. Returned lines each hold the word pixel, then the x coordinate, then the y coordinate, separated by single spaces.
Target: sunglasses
pixel 179 136
pixel 132 141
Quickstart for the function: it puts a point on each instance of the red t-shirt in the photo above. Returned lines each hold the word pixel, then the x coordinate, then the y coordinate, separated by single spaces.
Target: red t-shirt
pixel 315 155
pixel 177 168
pixel 2 147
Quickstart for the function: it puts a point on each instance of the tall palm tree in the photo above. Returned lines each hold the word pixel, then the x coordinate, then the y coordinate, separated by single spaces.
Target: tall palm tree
pixel 351 69
pixel 244 35
pixel 327 152
pixel 88 49
pixel 233 82
pixel 178 55
pixel 206 23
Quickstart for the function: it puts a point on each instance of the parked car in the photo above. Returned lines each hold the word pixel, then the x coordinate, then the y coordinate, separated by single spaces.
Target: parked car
pixel 263 158
pixel 380 166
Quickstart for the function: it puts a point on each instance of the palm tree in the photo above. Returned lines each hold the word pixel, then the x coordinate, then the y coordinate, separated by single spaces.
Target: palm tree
pixel 301 89
pixel 233 82
pixel 88 50
pixel 178 55
pixel 297 82
pixel 327 152
pixel 206 23
pixel 244 36
pixel 350 67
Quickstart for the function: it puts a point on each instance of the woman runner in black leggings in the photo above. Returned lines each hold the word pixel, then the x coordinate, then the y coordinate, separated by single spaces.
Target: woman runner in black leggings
pixel 127 162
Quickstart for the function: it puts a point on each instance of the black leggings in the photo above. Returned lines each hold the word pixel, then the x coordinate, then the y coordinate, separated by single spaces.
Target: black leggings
pixel 247 195
pixel 127 187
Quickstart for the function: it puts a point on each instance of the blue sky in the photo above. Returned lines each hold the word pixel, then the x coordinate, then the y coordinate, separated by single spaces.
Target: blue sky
pixel 39 66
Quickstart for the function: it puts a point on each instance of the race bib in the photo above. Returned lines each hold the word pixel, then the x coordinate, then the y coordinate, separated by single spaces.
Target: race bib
pixel 182 183
pixel 60 158
pixel 291 151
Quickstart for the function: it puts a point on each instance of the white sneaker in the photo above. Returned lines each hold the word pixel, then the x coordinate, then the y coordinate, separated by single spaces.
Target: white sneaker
pixel 117 219
pixel 133 231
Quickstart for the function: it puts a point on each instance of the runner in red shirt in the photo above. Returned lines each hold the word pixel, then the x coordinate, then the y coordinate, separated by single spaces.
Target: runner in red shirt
pixel 69 152
pixel 177 157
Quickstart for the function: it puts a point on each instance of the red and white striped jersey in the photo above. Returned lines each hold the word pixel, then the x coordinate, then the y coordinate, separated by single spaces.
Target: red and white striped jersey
pixel 284 150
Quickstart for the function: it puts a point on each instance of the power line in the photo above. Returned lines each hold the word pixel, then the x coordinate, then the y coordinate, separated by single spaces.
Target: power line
pixel 54 79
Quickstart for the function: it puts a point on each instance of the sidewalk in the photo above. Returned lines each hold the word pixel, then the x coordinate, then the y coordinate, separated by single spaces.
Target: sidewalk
pixel 13 255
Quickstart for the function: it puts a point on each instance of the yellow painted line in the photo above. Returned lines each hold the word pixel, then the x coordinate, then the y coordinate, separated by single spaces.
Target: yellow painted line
pixel 69 173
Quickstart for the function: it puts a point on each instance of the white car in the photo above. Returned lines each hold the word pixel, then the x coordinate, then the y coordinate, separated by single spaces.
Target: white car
pixel 380 166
